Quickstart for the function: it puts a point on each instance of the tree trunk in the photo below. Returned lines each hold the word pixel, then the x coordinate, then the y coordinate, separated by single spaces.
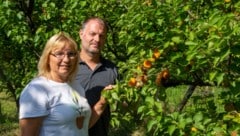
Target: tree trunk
pixel 187 95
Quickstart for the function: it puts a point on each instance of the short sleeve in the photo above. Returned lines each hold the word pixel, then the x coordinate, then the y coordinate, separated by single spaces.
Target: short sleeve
pixel 33 102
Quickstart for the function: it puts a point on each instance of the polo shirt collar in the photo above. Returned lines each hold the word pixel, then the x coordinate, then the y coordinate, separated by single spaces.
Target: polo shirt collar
pixel 98 65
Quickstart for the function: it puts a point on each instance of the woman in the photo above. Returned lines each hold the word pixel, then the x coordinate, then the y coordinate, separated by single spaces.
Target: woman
pixel 49 106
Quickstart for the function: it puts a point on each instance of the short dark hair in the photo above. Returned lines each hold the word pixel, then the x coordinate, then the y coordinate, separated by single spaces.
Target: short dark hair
pixel 102 21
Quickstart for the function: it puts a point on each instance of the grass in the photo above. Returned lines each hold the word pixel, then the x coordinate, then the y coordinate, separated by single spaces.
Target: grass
pixel 202 98
pixel 8 116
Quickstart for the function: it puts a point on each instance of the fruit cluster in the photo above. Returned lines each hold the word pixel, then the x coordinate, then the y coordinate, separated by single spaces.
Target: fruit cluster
pixel 140 79
pixel 162 76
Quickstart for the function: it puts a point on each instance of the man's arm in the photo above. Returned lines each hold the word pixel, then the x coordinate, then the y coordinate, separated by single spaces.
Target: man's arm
pixel 99 107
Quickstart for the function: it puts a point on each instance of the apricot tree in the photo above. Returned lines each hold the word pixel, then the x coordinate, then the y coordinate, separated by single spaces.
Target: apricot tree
pixel 156 44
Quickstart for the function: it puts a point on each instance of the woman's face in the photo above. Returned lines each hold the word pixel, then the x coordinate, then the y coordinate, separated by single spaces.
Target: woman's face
pixel 62 62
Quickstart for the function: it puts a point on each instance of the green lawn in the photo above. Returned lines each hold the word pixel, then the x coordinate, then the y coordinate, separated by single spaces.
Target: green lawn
pixel 8 116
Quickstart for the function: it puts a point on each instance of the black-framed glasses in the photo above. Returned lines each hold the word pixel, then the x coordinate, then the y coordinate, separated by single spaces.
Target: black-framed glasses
pixel 61 54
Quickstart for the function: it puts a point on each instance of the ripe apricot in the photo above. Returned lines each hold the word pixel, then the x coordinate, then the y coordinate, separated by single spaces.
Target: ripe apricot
pixel 147 64
pixel 234 133
pixel 132 82
pixel 165 74
pixel 156 53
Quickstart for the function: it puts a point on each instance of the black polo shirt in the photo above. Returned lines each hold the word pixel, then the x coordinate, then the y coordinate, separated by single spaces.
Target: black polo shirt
pixel 94 82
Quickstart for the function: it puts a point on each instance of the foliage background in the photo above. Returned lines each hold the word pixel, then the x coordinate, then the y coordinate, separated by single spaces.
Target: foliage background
pixel 198 41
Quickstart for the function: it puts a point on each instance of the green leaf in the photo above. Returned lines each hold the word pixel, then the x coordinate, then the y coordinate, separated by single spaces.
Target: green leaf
pixel 151 124
pixel 114 95
pixel 158 106
pixel 191 36
pixel 149 100
pixel 140 109
pixel 171 129
pixel 198 117
pixel 207 121
pixel 219 78
pixel 212 75
pixel 190 43
pixel 19 15
pixel 176 39
pixel 131 50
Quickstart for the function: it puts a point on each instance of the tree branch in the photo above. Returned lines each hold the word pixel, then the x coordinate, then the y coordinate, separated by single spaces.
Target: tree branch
pixel 187 95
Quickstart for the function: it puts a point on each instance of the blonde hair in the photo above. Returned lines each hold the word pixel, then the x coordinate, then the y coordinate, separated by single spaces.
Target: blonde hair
pixel 56 41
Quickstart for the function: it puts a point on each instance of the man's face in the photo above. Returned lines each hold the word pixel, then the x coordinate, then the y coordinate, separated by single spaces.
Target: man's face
pixel 93 37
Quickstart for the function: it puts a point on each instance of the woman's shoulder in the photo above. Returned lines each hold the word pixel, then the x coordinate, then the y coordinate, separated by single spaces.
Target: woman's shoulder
pixel 37 83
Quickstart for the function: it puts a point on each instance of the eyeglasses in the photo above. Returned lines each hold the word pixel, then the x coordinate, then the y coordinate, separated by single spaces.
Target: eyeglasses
pixel 61 55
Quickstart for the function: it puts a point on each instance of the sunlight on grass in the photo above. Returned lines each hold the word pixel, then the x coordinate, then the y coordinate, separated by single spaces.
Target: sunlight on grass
pixel 8 116
pixel 205 98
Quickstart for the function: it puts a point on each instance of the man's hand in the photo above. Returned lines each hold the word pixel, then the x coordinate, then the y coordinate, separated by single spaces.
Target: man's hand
pixel 109 87
pixel 105 93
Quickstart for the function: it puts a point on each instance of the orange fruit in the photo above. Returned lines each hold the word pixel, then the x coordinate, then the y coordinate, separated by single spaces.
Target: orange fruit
pixel 156 53
pixel 132 82
pixel 162 76
pixel 147 64
pixel 227 1
pixel 165 74
pixel 234 133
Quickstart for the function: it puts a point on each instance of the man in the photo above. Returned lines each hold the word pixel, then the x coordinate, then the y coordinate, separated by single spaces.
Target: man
pixel 95 72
